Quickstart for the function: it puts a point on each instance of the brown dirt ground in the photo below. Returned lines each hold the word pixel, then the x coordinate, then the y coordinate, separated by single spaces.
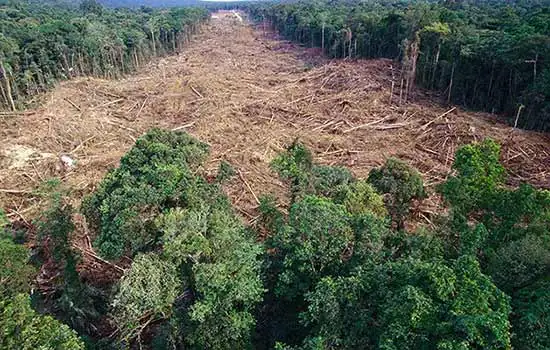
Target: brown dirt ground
pixel 248 95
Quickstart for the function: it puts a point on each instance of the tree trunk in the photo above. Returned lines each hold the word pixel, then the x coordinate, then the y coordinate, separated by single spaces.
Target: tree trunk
pixel 8 86
pixel 451 84
pixel 323 38
pixel 122 61
pixel 413 57
pixel 136 58
pixel 153 40
pixel 490 84
pixel 174 41
pixel 436 62
pixel 3 91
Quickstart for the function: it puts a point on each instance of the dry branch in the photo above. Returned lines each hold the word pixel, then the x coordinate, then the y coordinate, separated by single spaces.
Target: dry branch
pixel 437 118
pixel 183 126
pixel 3 190
pixel 196 92
pixel 248 186
pixel 368 124
pixel 73 104
pixel 98 258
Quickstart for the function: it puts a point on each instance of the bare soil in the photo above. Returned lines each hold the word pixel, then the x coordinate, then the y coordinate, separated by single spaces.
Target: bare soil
pixel 248 95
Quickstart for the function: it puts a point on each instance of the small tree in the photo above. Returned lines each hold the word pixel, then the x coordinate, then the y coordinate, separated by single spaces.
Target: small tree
pixel 402 184
pixel 479 175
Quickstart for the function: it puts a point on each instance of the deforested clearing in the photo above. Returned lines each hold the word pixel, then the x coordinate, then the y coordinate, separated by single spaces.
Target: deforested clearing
pixel 248 94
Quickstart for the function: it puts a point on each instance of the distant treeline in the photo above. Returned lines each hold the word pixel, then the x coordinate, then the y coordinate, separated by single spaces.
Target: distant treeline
pixel 42 44
pixel 489 56
pixel 149 3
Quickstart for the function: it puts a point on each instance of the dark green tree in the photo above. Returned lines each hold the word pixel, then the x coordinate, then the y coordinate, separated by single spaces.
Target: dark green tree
pixel 402 184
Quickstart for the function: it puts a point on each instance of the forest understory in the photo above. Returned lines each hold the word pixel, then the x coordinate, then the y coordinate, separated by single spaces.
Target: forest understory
pixel 248 95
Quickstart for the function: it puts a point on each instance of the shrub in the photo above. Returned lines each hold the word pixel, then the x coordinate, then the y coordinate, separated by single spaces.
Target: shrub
pixel 295 165
pixel 306 178
pixel 225 172
pixel 401 183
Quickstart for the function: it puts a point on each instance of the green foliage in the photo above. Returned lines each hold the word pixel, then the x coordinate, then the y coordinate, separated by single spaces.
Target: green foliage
pixel 471 241
pixel 328 180
pixel 361 198
pixel 520 263
pixel 511 236
pixel 306 178
pixel 402 183
pixel 145 293
pixel 225 172
pixel 478 190
pixel 479 176
pixel 91 6
pixel 220 263
pixel 184 234
pixel 23 329
pixel 411 304
pixel 317 243
pixel 229 289
pixel 295 165
pixel 3 224
pixel 157 172
pixel 16 274
pixel 531 317
pixel 271 218
pixel 334 224
pixel 54 229
pixel 199 278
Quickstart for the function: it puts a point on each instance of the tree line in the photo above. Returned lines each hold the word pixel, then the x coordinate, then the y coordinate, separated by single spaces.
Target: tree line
pixel 489 56
pixel 336 269
pixel 42 44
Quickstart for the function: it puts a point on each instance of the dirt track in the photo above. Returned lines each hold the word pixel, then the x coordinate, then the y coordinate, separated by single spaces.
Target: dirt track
pixel 248 95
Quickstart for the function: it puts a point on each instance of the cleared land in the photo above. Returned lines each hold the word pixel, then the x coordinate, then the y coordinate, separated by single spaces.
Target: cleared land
pixel 248 94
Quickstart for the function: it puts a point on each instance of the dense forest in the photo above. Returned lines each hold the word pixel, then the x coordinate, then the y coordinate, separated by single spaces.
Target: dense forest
pixel 489 56
pixel 335 271
pixel 346 264
pixel 42 44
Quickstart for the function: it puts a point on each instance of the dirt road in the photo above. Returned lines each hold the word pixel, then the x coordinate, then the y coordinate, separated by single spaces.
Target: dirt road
pixel 248 95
